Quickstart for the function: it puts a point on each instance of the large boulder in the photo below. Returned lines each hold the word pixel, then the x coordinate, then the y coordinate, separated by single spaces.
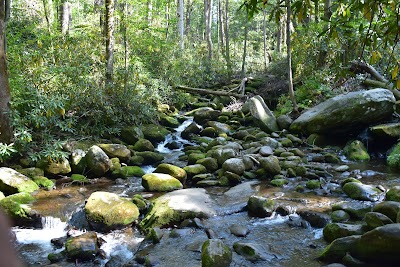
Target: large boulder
pixel 83 247
pixel 174 207
pixel 235 165
pixel 338 248
pixel 12 182
pixel 360 191
pixel 97 161
pixel 160 182
pixel 260 206
pixel 107 211
pixel 346 112
pixel 172 170
pixel 334 231
pixel 116 151
pixel 389 208
pixel 204 114
pixel 143 145
pixel 154 133
pixel 16 207
pixel 356 151
pixel 262 114
pixel 215 253
pixel 131 134
pixel 52 167
pixel 252 251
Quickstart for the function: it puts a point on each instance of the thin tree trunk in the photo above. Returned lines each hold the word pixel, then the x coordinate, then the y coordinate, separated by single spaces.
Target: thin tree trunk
pixel 181 28
pixel 124 25
pixel 109 44
pixel 48 22
pixel 279 38
pixel 289 57
pixel 99 8
pixel 208 22
pixel 227 49
pixel 149 12
pixel 188 16
pixel 5 96
pixel 327 16
pixel 221 27
pixel 316 10
pixel 246 30
pixel 166 21
pixel 65 16
pixel 265 38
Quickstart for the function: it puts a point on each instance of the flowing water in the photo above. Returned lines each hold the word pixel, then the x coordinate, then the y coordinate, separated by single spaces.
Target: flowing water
pixel 285 242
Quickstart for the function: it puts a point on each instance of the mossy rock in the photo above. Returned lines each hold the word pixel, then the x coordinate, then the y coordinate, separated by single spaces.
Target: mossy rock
pixel 97 161
pixel 195 169
pixel 209 132
pixel 279 182
pixel 150 157
pixel 356 151
pixel 194 157
pixel 12 182
pixel 313 184
pixel 160 182
pixel 172 170
pixel 211 164
pixel 130 171
pixel 140 202
pixel 393 194
pixel 16 207
pixel 79 178
pixel 168 121
pixel 32 172
pixel 44 182
pixel 215 253
pixel 251 251
pixel 393 160
pixel 271 165
pixel 338 248
pixel 389 208
pixel 136 160
pixel 107 211
pixel 54 167
pixel 116 151
pixel 334 231
pixel 340 216
pixel 83 247
pixel 260 206
pixel 143 145
pixel 131 134
pixel 376 219
pixel 361 191
pixel 355 209
pixel 154 133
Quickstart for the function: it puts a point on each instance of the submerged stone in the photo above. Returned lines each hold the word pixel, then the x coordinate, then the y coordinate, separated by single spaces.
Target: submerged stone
pixel 215 253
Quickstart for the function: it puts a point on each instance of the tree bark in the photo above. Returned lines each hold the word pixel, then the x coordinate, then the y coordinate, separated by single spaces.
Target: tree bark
pixel 65 16
pixel 221 29
pixel 227 49
pixel 149 12
pixel 265 39
pixel 109 44
pixel 206 92
pixel 181 28
pixel 246 30
pixel 289 57
pixel 5 96
pixel 98 8
pixel 208 24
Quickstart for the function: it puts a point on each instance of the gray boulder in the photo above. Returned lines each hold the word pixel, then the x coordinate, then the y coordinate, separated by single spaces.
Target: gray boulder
pixel 215 253
pixel 116 151
pixel 82 247
pixel 97 161
pixel 361 191
pixel 12 182
pixel 262 114
pixel 346 112
pixel 260 206
pixel 389 208
pixel 235 165
pixel 252 251
pixel 334 231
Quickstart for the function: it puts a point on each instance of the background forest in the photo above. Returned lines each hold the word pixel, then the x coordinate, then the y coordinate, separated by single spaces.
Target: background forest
pixel 79 68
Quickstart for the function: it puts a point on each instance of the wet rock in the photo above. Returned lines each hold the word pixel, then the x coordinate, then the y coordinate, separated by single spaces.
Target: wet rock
pixel 271 165
pixel 222 154
pixel 387 130
pixel 262 114
pixel 168 121
pixel 176 206
pixel 82 247
pixel 334 231
pixel 239 230
pixel 190 130
pixel 280 182
pixel 284 121
pixel 340 216
pixel 357 210
pixel 346 112
pixel 154 133
pixel 142 145
pixel 209 132
pixel 219 127
pixel 54 167
pixel 97 161
pixel 393 194
pixel 356 151
pixel 172 170
pixel 149 157
pixel 44 182
pixel 315 218
pixel 210 183
pixel 192 170
pixel 160 182
pixel 155 235
pixel 31 172
pixel 12 182
pixel 235 165
pixel 128 171
pixel 107 211
pixel 78 161
pixel 266 151
pixel 338 248
pixel 381 245
pixel 131 134
pixel 56 257
pixel 360 191
pixel 233 178
pixel 313 184
pixel 211 164
pixel 215 253
pixel 376 219
pixel 342 168
pixel 204 114
pixel 251 251
pixel 388 208
pixel 16 207
pixel 116 151
pixel 194 157
pixel 260 207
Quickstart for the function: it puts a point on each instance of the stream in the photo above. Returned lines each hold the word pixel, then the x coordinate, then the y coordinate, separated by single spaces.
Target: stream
pixel 287 242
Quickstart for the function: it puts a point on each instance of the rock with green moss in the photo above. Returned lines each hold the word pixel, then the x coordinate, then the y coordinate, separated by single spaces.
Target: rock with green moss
pixel 143 145
pixel 251 251
pixel 16 206
pixel 215 253
pixel 271 165
pixel 195 169
pixel 209 132
pixel 32 172
pixel 12 182
pixel 313 184
pixel 44 182
pixel 50 167
pixel 97 161
pixel 140 202
pixel 393 194
pixel 361 191
pixel 263 116
pixel 389 208
pixel 387 130
pixel 136 160
pixel 393 160
pixel 83 247
pixel 356 151
pixel 172 170
pixel 160 182
pixel 334 231
pixel 235 165
pixel 154 133
pixel 174 207
pixel 260 206
pixel 131 134
pixel 78 161
pixel 280 182
pixel 340 216
pixel 79 178
pixel 204 114
pixel 129 171
pixel 356 209
pixel 116 151
pixel 338 248
pixel 220 127
pixel 376 219
pixel 168 121
pixel 107 211
pixel 211 164
pixel 193 157
pixel 150 157
pixel 115 164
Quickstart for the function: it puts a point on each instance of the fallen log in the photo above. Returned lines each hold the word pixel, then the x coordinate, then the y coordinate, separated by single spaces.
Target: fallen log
pixel 206 92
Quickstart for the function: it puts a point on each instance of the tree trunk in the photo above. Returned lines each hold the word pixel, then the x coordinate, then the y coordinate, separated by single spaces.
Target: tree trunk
pixel 124 25
pixel 265 39
pixel 327 10
pixel 208 24
pixel 316 10
pixel 279 37
pixel 109 44
pixel 289 57
pixel 227 49
pixel 49 19
pixel 5 97
pixel 181 28
pixel 166 21
pixel 98 8
pixel 188 16
pixel 65 16
pixel 221 29
pixel 246 30
pixel 327 16
pixel 149 12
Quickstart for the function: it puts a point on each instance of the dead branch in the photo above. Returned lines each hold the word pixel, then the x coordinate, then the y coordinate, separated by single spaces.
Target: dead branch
pixel 206 92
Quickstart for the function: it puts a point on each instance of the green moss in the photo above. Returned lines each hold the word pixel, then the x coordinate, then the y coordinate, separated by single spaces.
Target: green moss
pixel 279 182
pixel 393 160
pixel 43 182
pixel 313 184
pixel 356 151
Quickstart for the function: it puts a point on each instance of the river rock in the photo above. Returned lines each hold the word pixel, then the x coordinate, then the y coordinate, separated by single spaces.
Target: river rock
pixel 204 114
pixel 160 182
pixel 346 112
pixel 251 251
pixel 361 191
pixel 215 253
pixel 143 145
pixel 149 157
pixel 190 130
pixel 12 182
pixel 16 206
pixel 97 161
pixel 174 207
pixel 194 157
pixel 168 121
pixel 338 248
pixel 219 127
pixel 222 154
pixel 131 134
pixel 334 231
pixel 192 170
pixel 356 210
pixel 266 151
pixel 239 230
pixel 82 247
pixel 116 151
pixel 389 208
pixel 381 245
pixel 315 218
pixel 44 182
pixel 31 172
pixel 376 219
pixel 393 160
pixel 340 216
pixel 129 171
pixel 51 167
pixel 260 206
pixel 172 170
pixel 271 165
pixel 262 114
pixel 387 130
pixel 284 121
pixel 154 133
pixel 78 161
pixel 393 194
pixel 356 151
pixel 235 165
pixel 107 211
pixel 211 164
